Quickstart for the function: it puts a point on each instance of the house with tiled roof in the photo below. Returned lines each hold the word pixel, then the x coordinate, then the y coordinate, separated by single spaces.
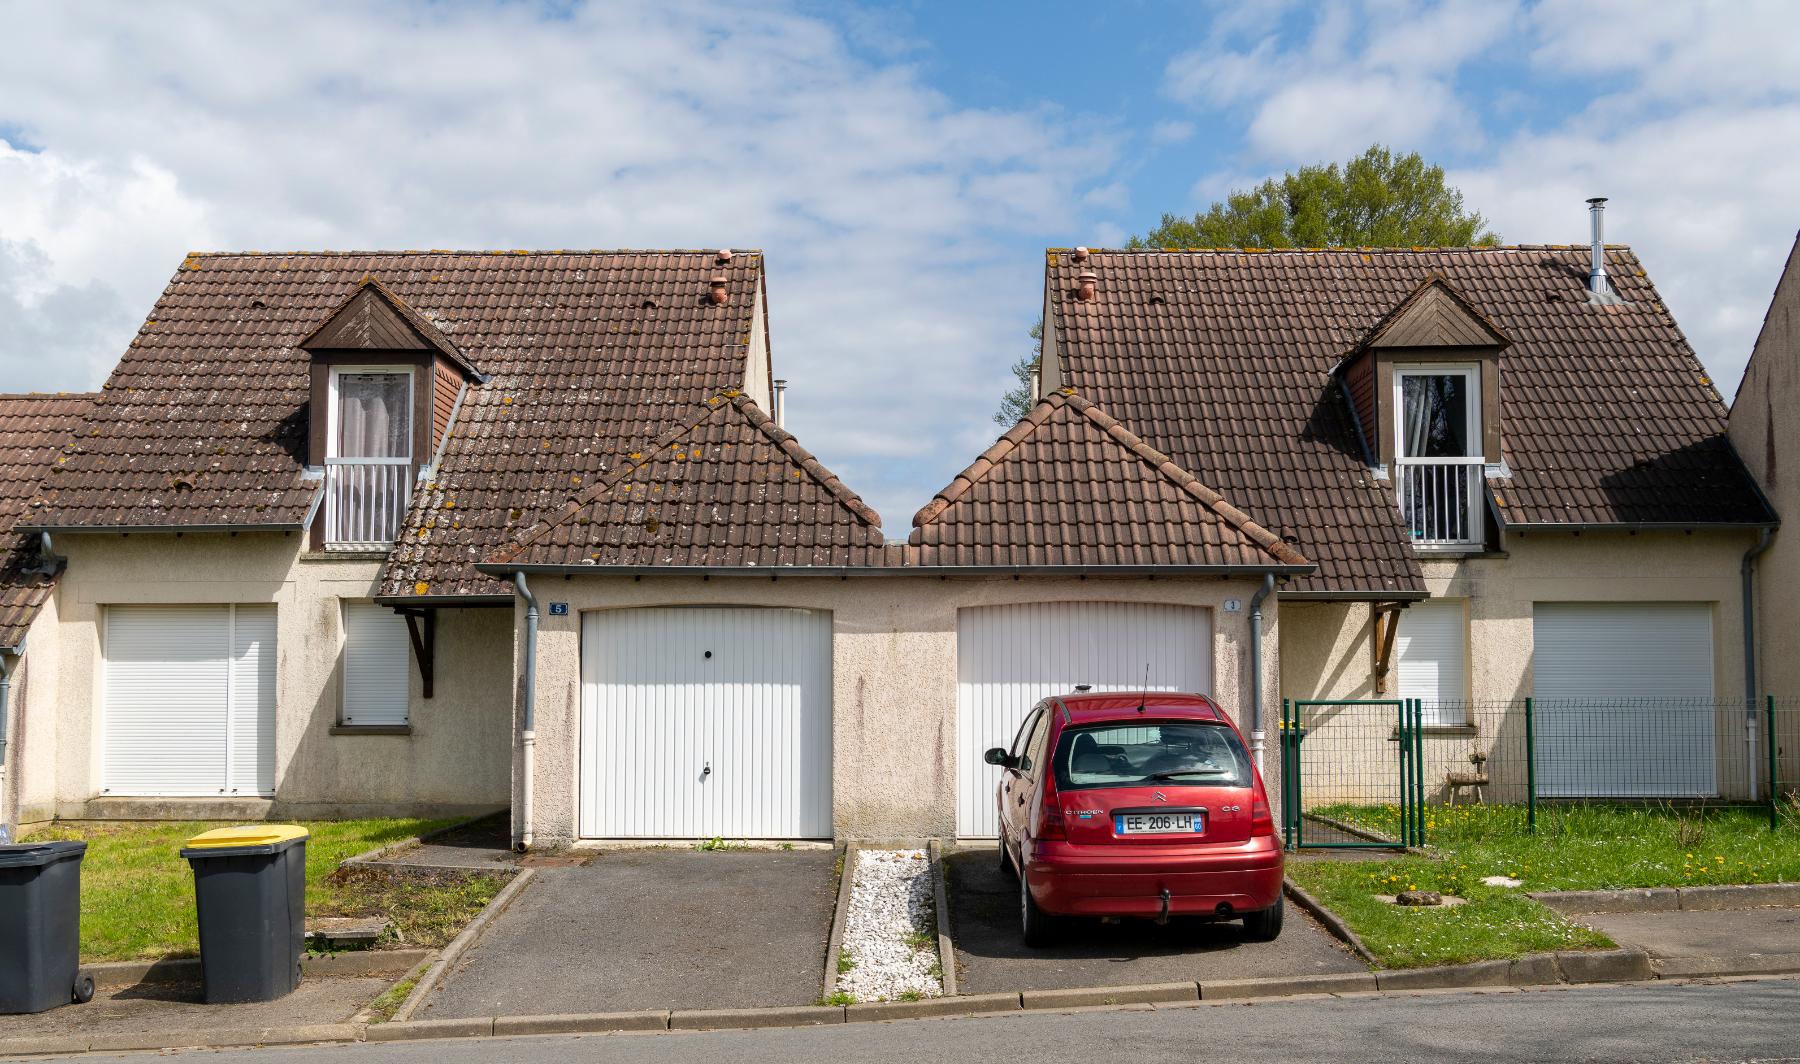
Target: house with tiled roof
pixel 34 429
pixel 1767 434
pixel 1506 465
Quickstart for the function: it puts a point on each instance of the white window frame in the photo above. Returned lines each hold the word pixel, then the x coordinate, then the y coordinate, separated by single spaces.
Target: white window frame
pixel 346 714
pixel 1475 463
pixel 412 401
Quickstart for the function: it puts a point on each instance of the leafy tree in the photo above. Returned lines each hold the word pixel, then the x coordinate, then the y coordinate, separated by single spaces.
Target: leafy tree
pixel 1377 199
pixel 1016 403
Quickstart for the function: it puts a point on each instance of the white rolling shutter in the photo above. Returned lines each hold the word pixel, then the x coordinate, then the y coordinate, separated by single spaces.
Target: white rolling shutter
pixel 1624 699
pixel 189 704
pixel 1431 652
pixel 703 722
pixel 251 750
pixel 1009 657
pixel 377 657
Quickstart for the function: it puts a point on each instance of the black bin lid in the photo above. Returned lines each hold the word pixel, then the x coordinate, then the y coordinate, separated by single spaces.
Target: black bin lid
pixel 39 854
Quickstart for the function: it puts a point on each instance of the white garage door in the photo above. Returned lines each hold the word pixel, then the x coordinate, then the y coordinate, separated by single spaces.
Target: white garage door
pixel 708 722
pixel 190 701
pixel 1008 657
pixel 1624 699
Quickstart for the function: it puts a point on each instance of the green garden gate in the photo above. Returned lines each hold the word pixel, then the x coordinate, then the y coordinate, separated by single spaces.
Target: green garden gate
pixel 1352 753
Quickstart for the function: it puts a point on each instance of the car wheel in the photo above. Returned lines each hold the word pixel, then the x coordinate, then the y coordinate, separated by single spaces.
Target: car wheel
pixel 1037 926
pixel 1265 926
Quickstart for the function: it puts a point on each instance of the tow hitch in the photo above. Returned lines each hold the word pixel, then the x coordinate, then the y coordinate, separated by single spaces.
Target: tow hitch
pixel 1163 916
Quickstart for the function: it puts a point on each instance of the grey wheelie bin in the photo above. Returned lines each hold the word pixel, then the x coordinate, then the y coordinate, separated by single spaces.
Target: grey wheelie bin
pixel 250 896
pixel 40 927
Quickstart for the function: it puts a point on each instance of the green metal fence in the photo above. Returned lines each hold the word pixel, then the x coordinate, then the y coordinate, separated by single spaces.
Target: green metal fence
pixel 1370 772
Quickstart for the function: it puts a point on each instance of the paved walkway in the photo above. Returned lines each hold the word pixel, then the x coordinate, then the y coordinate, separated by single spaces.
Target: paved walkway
pixel 653 928
pixel 485 845
pixel 984 918
pixel 178 1009
pixel 1690 933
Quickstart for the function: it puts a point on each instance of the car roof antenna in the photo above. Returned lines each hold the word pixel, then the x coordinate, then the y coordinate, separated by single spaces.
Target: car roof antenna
pixel 1144 692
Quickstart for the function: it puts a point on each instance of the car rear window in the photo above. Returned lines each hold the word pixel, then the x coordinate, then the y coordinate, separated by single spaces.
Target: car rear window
pixel 1136 755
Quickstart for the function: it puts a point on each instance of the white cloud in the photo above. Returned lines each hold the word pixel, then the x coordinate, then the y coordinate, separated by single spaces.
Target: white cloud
pixel 886 210
pixel 1333 117
pixel 1171 132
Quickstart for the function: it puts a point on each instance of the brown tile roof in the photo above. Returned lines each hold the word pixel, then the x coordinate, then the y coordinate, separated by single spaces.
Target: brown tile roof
pixel 33 430
pixel 374 318
pixel 203 422
pixel 1223 360
pixel 1070 486
pixel 727 489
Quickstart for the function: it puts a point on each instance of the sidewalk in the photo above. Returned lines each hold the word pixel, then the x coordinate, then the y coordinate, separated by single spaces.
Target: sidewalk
pixel 1675 940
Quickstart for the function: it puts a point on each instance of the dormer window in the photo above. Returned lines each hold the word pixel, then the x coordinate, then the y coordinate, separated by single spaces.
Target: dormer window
pixel 1424 388
pixel 369 464
pixel 1438 458
pixel 386 385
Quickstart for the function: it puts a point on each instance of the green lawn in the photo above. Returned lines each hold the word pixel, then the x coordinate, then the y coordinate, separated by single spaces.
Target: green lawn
pixel 1576 847
pixel 1496 922
pixel 1598 846
pixel 137 894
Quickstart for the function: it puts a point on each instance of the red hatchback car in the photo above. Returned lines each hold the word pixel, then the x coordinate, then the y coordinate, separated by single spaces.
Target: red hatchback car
pixel 1136 805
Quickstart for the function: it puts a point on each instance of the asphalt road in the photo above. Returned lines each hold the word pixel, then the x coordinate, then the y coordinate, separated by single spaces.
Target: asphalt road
pixel 1734 1021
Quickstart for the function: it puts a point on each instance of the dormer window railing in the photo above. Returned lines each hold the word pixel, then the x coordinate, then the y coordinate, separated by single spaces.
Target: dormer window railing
pixel 1438 455
pixel 369 464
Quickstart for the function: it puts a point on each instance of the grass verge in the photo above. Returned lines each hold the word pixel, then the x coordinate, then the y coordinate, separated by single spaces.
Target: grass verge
pixel 1602 846
pixel 137 897
pixel 1497 923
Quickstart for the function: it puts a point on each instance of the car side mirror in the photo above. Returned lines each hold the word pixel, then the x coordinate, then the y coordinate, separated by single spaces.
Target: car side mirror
pixel 998 756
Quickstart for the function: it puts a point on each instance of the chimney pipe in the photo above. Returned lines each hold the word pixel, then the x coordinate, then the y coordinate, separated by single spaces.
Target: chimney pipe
pixel 1090 286
pixel 1080 256
pixel 719 295
pixel 1598 290
pixel 780 404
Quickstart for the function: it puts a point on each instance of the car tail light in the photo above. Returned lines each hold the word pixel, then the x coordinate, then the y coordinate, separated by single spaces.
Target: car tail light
pixel 1049 826
pixel 1262 822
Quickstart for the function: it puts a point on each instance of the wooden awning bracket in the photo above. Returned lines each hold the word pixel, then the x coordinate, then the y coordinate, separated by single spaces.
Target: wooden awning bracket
pixel 424 643
pixel 1387 623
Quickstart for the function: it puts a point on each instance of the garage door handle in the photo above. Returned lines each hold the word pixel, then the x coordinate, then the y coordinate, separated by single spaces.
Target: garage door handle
pixel 707 771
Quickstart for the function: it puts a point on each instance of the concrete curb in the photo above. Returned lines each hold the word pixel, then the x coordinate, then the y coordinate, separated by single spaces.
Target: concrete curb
pixel 1670 899
pixel 1703 967
pixel 941 899
pixel 461 943
pixel 1338 928
pixel 839 914
pixel 1612 966
pixel 317 966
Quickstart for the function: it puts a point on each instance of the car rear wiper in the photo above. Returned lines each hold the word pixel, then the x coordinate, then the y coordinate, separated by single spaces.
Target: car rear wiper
pixel 1188 772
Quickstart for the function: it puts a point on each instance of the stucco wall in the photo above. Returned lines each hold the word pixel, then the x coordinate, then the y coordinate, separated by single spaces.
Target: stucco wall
pixel 1327 652
pixel 454 761
pixel 893 677
pixel 29 793
pixel 1770 446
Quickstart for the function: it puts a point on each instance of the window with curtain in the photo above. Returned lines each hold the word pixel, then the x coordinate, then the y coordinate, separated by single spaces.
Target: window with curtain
pixel 1435 420
pixel 374 419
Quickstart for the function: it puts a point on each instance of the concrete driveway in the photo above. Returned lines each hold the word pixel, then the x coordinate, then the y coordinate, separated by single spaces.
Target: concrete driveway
pixel 1704 933
pixel 984 920
pixel 651 929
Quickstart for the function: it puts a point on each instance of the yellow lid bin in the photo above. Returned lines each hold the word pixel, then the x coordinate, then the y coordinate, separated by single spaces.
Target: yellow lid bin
pixel 249 835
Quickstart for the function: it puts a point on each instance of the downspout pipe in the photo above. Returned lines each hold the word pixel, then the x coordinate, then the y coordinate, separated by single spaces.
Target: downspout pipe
pixel 528 711
pixel 1256 676
pixel 8 817
pixel 1747 573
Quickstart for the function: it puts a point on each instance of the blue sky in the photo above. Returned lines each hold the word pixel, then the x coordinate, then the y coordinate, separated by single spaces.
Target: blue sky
pixel 903 165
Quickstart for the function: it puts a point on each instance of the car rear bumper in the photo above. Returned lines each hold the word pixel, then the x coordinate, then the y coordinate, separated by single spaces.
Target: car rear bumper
pixel 1072 880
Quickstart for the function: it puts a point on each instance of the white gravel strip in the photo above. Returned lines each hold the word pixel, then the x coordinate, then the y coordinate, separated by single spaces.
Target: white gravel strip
pixel 890 900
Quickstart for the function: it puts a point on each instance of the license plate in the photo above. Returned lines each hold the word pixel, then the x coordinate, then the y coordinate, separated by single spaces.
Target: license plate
pixel 1160 823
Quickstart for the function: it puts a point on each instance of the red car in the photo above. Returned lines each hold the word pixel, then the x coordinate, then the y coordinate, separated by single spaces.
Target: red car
pixel 1136 805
